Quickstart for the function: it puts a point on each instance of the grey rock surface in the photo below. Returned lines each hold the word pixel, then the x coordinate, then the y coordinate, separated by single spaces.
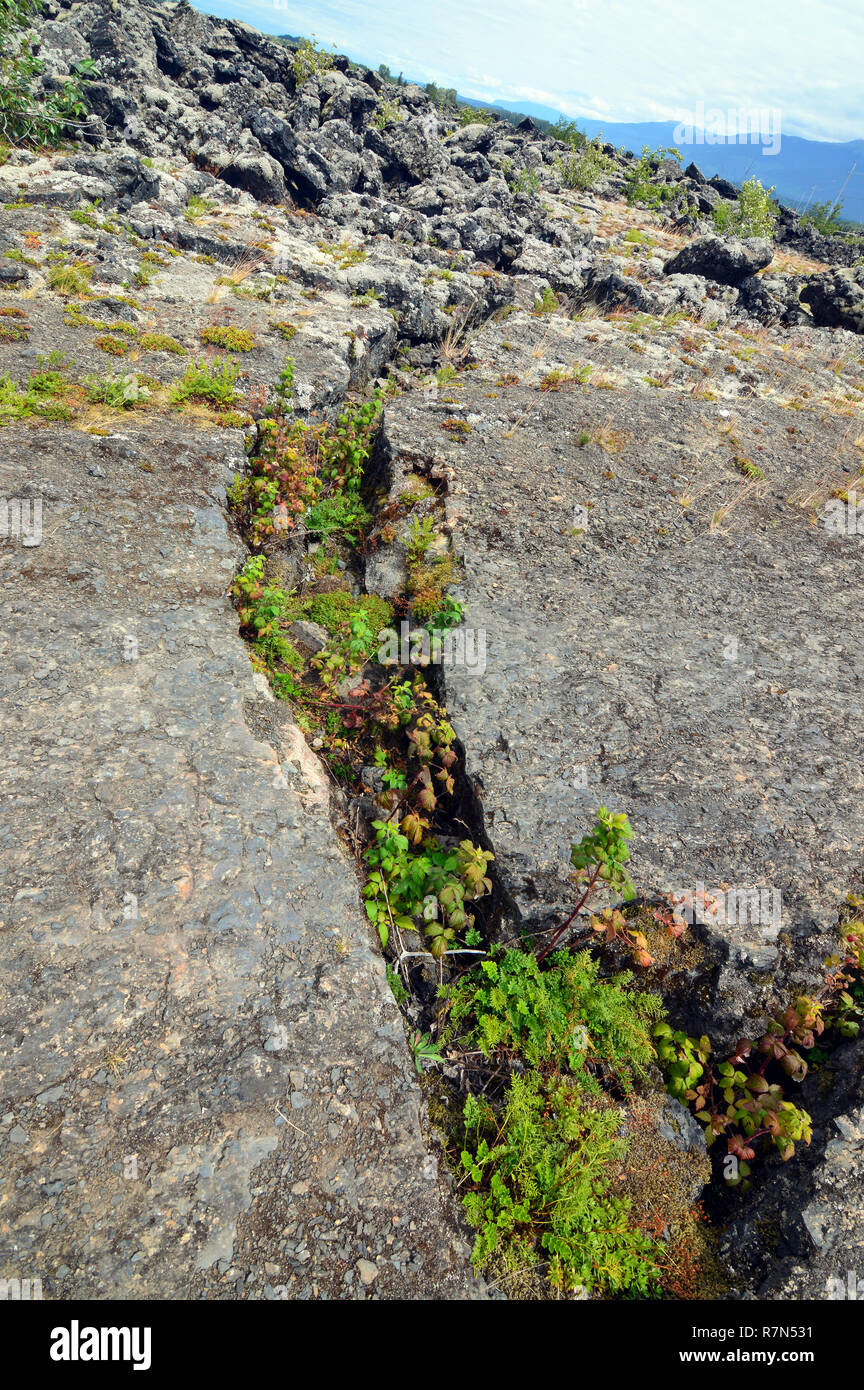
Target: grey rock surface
pixel 647 452
pixel 689 661
pixel 721 258
pixel 206 1090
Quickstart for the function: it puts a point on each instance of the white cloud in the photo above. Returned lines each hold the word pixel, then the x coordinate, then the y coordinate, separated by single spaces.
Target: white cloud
pixel 621 58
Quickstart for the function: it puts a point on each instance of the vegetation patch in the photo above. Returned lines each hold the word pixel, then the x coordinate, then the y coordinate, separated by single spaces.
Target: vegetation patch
pixel 228 337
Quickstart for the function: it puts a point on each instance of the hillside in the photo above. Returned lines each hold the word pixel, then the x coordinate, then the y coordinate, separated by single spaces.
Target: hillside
pixel 300 381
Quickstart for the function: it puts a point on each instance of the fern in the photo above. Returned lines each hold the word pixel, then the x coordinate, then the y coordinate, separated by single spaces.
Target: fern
pixel 562 1017
pixel 540 1199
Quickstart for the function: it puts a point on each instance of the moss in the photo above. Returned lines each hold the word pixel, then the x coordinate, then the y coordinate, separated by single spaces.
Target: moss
pixel 160 342
pixel 115 346
pixel 334 609
pixel 225 336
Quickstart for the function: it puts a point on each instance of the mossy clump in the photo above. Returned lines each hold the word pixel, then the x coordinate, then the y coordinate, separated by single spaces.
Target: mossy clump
pixel 160 342
pixel 226 336
pixel 333 610
pixel 105 342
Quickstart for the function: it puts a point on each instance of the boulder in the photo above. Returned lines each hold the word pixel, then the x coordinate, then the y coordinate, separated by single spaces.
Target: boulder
pixel 724 259
pixel 836 299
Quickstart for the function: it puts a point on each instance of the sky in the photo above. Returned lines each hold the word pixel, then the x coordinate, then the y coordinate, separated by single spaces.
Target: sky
pixel 613 60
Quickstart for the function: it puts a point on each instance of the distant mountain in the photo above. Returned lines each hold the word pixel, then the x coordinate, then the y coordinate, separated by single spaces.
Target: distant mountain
pixel 803 171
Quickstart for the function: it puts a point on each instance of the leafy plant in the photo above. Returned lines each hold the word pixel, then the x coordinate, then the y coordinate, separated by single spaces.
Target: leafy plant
pixel 341 512
pixel 825 217
pixel 563 1018
pixel 212 382
pixel 423 1050
pixel 600 857
pixel 640 182
pixel 540 1172
pixel 28 116
pixel 734 1098
pixel 197 208
pixel 753 215
pixel 309 61
pixel 122 393
pixel 581 171
pixel 432 882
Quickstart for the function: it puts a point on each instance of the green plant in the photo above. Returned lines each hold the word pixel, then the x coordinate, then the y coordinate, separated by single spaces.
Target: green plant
pixel 197 208
pixel 600 857
pixel 160 342
pixel 28 115
pixel 342 512
pixel 546 303
pixel 734 1098
pixel 309 60
pixel 388 113
pixel 448 615
pixel 423 1050
pixel 748 468
pixel 825 217
pixel 564 1018
pixel 121 393
pixel 754 214
pixel 14 325
pixel 541 1167
pixel 212 382
pixel 432 881
pixel 640 183
pixel 115 346
pixel 261 609
pixel 581 171
pixel 227 336
pixel 70 279
pixel 526 181
pixel 568 133
pixel 474 115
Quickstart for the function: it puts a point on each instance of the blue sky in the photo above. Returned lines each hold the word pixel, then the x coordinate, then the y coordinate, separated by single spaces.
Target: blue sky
pixel 613 60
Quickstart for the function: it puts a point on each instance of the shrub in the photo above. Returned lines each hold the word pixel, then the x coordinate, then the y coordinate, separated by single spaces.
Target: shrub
pixel 207 381
pixel 122 393
pixel 640 184
pixel 754 214
pixel 27 115
pixel 115 346
pixel 825 217
pixel 583 170
pixel 308 61
pixel 160 342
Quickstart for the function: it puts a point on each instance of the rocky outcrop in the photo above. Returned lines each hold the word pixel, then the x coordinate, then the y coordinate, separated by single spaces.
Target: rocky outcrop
pixel 637 443
pixel 724 259
pixel 836 299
